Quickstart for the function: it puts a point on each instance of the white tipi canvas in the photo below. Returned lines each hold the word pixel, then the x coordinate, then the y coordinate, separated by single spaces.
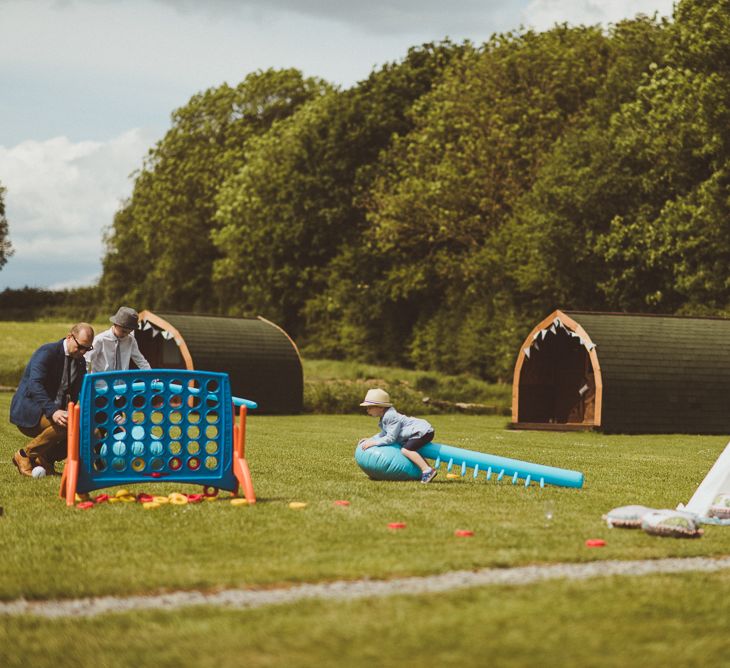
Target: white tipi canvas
pixel 717 481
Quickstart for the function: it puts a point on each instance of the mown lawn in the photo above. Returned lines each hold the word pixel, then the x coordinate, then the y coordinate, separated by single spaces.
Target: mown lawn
pixel 652 621
pixel 51 551
pixel 330 386
pixel 18 340
pixel 122 548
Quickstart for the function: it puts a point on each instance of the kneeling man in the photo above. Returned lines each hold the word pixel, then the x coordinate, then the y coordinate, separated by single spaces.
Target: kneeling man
pixel 51 379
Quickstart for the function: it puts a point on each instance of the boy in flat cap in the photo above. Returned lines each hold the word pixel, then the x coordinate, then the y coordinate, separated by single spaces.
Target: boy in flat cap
pixel 116 346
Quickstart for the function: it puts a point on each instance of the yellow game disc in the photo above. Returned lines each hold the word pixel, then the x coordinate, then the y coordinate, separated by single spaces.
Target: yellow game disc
pixel 178 500
pixel 239 502
pixel 128 499
pixel 452 476
pixel 123 492
pixel 82 497
pixel 160 499
pixel 211 498
pixel 149 505
pixel 113 499
pixel 296 505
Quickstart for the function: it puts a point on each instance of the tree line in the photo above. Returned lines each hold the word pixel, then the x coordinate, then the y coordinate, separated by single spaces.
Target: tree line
pixel 431 214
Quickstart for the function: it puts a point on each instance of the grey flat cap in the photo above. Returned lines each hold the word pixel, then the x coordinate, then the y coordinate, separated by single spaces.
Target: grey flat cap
pixel 125 317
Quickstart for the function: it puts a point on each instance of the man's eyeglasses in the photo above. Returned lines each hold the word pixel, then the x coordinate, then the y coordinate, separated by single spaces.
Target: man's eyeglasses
pixel 81 345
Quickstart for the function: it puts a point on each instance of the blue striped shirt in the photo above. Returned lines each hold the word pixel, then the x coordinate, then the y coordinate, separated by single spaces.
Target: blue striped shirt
pixel 398 428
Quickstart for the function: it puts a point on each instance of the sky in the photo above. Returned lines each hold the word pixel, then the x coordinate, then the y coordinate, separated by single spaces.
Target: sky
pixel 87 88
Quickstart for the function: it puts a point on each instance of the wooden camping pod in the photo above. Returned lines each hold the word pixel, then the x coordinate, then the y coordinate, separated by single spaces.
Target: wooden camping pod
pixel 260 358
pixel 624 373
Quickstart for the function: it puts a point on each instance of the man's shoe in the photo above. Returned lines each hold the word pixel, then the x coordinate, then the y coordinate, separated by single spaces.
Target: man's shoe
pixel 429 475
pixel 22 463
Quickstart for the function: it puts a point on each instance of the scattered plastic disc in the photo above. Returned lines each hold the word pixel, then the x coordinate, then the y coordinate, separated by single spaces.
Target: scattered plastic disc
pixel 238 501
pixel 463 533
pixel 595 542
pixel 150 505
pixel 195 498
pixel 123 492
pixel 102 498
pixel 85 505
pixel 452 476
pixel 159 499
pixel 144 498
pixel 342 502
pixel 114 499
pixel 297 505
pixel 397 525
pixel 177 499
pixel 83 497
pixel 128 499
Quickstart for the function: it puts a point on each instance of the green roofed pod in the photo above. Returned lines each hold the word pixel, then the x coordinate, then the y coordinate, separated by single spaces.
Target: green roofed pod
pixel 624 373
pixel 260 358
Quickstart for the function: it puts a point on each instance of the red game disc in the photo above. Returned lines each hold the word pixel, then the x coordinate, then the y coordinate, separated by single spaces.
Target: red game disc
pixel 102 498
pixel 463 533
pixel 397 525
pixel 342 502
pixel 144 498
pixel 85 505
pixel 195 498
pixel 595 542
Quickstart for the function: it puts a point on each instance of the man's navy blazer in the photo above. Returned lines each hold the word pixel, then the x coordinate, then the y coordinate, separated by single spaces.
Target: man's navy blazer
pixel 36 394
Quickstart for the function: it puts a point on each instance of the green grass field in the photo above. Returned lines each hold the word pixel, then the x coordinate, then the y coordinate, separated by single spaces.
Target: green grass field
pixel 53 552
pixel 19 339
pixel 330 386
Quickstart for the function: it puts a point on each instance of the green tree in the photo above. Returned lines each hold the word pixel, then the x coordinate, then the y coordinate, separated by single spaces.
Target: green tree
pixel 670 252
pixel 161 236
pixel 630 213
pixel 587 180
pixel 445 190
pixel 6 250
pixel 295 205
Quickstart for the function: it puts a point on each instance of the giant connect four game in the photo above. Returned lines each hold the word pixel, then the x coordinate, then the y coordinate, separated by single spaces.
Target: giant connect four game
pixel 156 425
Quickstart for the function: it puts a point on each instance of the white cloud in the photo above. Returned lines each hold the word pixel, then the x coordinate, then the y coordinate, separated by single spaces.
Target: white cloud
pixel 60 196
pixel 543 14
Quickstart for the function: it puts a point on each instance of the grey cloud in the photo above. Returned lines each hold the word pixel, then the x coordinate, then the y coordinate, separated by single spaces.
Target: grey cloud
pixel 385 16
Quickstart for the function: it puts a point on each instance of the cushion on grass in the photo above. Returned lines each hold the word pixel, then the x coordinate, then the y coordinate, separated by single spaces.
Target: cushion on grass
pixel 673 523
pixel 386 462
pixel 627 517
pixel 720 507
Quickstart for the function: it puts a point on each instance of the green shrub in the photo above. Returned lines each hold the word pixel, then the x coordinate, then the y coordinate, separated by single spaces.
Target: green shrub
pixel 339 387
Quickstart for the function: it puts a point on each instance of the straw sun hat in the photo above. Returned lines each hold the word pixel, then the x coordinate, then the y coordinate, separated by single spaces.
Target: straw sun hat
pixel 376 397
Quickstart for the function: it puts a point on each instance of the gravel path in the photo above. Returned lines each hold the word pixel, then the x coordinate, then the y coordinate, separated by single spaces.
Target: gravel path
pixel 357 589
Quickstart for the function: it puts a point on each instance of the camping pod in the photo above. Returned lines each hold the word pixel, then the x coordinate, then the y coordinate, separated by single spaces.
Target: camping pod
pixel 624 373
pixel 261 360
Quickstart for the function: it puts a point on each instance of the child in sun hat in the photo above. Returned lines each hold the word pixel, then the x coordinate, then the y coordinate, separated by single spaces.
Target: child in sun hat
pixel 412 433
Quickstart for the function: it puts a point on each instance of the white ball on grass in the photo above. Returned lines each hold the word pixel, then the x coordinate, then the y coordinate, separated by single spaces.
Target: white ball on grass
pixel 38 472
